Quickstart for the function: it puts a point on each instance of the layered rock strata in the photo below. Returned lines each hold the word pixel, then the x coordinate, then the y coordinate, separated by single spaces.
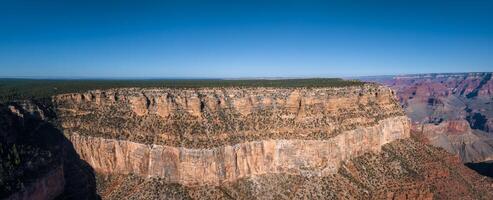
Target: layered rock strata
pixel 215 135
pixel 437 102
pixel 204 118
pixel 458 138
pixel 229 163
pixel 404 169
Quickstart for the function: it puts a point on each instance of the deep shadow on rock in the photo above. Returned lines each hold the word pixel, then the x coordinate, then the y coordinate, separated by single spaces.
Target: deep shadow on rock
pixel 483 168
pixel 38 161
pixel 80 179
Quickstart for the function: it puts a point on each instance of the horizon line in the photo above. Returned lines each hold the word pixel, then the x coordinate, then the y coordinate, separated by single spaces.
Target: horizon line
pixel 217 78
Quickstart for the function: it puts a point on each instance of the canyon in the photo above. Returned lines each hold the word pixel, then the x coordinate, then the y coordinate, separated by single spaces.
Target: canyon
pixel 453 111
pixel 352 142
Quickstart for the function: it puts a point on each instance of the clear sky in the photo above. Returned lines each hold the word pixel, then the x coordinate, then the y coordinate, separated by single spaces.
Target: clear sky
pixel 234 39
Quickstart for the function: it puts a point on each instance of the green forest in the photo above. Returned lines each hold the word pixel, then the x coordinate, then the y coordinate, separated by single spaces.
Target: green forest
pixel 39 89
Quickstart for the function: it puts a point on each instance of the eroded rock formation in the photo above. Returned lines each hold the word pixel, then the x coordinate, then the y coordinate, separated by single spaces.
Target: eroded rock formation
pixel 228 163
pixel 203 118
pixel 457 137
pixel 404 169
pixel 215 135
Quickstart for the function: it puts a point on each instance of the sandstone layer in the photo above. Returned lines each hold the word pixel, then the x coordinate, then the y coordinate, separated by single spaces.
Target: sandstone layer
pixel 209 136
pixel 229 163
pixel 209 117
pixel 403 169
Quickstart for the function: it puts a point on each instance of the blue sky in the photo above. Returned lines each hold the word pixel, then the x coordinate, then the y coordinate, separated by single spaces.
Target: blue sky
pixel 234 39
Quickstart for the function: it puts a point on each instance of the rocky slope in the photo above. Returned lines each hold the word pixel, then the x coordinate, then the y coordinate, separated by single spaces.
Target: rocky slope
pixel 454 111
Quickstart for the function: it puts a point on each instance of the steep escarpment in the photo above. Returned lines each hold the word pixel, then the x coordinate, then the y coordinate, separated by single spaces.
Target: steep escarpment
pixel 204 118
pixel 215 135
pixel 404 169
pixel 228 163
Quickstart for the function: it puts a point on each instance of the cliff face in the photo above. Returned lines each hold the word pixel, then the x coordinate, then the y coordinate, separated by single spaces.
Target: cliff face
pixel 203 118
pixel 211 136
pixel 438 102
pixel 228 163
pixel 36 160
pixel 404 169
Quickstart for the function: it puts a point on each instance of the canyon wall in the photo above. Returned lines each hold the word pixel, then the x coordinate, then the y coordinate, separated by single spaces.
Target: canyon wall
pixel 229 163
pixel 436 103
pixel 457 137
pixel 215 135
pixel 403 169
pixel 434 98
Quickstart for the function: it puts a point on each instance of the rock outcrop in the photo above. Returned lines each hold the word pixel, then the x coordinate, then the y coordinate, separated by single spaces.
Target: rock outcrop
pixel 215 135
pixel 204 118
pixel 229 163
pixel 403 169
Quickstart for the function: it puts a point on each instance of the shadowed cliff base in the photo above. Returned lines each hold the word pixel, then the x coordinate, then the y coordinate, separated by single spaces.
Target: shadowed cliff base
pixel 80 179
pixel 38 161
